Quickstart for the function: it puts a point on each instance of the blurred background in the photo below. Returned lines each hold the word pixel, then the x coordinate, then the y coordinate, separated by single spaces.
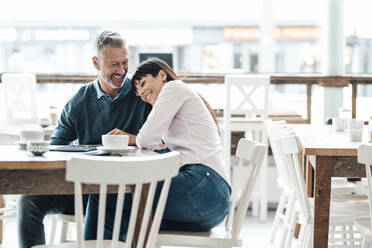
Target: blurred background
pixel 55 37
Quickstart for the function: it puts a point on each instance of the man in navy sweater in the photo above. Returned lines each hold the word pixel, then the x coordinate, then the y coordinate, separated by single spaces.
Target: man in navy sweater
pixel 106 105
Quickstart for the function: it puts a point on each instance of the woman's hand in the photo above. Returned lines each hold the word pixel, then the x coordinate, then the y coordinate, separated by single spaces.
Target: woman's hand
pixel 132 137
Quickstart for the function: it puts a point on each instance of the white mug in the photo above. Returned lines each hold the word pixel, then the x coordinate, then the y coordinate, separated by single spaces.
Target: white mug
pixel 370 128
pixel 339 124
pixel 355 130
pixel 32 135
pixel 115 141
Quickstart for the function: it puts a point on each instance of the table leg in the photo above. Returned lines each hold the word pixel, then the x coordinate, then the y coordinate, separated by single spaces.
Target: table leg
pixel 322 196
pixel 1 222
pixel 309 178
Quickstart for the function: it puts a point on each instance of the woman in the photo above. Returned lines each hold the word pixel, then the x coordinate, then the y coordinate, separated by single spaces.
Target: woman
pixel 199 195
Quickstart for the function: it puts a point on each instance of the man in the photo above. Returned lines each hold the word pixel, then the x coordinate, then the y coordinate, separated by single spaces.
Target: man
pixel 107 105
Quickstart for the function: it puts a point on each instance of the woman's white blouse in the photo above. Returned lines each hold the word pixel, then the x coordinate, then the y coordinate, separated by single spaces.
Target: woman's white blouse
pixel 180 118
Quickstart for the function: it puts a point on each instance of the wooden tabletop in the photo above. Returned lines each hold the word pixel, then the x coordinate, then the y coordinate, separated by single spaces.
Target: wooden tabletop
pixel 322 140
pixel 23 173
pixel 12 158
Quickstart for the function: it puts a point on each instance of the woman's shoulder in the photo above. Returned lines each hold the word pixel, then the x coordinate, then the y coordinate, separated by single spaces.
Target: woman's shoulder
pixel 178 85
pixel 175 84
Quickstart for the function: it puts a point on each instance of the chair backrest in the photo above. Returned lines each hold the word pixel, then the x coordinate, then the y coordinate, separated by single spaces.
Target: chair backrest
pixel 246 94
pixel 20 97
pixel 123 171
pixel 292 150
pixel 365 157
pixel 252 153
pixel 275 130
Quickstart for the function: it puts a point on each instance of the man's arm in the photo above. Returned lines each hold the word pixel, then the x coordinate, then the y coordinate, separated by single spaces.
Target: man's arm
pixel 65 131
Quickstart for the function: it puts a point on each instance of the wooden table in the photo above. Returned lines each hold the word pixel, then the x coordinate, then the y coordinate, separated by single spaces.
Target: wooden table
pixel 23 173
pixel 332 155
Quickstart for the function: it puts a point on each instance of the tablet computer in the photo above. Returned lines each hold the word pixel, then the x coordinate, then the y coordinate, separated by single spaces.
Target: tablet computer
pixel 73 148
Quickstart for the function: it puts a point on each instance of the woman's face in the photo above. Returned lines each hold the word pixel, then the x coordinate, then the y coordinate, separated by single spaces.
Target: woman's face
pixel 149 87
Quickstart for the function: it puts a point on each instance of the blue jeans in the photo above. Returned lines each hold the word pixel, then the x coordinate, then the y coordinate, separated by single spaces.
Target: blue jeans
pixel 31 212
pixel 198 200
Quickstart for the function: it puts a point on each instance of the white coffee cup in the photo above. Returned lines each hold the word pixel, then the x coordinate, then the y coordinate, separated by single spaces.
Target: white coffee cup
pixel 355 130
pixel 339 124
pixel 32 135
pixel 115 141
pixel 370 129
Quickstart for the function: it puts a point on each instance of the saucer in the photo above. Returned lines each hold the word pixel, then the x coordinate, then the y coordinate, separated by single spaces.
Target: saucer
pixel 21 144
pixel 105 149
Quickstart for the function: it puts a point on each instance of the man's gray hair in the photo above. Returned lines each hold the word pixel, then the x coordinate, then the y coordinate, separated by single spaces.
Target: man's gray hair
pixel 108 38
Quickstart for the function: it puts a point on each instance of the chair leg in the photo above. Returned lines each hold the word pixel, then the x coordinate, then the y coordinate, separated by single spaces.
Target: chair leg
pixel 364 241
pixel 302 235
pixel 344 233
pixel 278 213
pixel 310 239
pixel 263 185
pixel 291 229
pixel 306 237
pixel 255 206
pixel 287 218
pixel 263 190
pixel 349 235
pixel 63 237
pixel 256 197
pixel 331 234
pixel 53 228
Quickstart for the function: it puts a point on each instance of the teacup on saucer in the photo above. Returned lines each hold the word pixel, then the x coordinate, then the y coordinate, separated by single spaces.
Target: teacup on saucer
pixel 115 141
pixel 31 135
pixel 22 145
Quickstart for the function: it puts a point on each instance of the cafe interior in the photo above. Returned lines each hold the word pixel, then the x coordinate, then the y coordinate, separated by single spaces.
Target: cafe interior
pixel 291 88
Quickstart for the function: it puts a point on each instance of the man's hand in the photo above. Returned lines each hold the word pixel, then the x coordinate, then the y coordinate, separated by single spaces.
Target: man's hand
pixel 132 137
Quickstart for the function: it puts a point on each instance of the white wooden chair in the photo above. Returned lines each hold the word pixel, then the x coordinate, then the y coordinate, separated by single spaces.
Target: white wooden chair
pixel 8 209
pixel 364 224
pixel 121 171
pixel 343 194
pixel 276 129
pixel 65 221
pixel 341 214
pixel 247 95
pixel 251 154
pixel 20 97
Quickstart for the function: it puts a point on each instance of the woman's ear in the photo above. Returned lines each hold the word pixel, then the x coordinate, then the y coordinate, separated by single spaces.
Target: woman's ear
pixel 163 76
pixel 96 63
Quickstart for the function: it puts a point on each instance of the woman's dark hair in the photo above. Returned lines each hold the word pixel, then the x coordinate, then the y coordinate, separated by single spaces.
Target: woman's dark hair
pixel 152 66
